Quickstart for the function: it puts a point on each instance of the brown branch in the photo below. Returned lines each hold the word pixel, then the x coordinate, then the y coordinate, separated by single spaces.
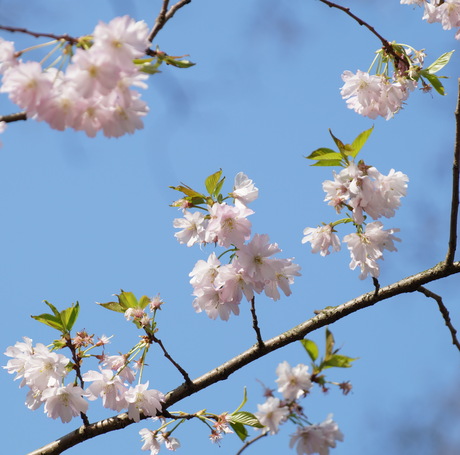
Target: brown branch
pixel 255 324
pixel 444 312
pixel 64 37
pixel 164 16
pixel 222 372
pixel 248 443
pixel 13 117
pixel 455 188
pixel 166 354
pixel 400 63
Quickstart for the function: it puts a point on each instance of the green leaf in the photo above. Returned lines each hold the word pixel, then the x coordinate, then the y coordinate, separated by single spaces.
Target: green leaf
pixel 188 191
pixel 338 142
pixel 144 301
pixel 327 163
pixel 246 418
pixel 440 63
pixel 212 181
pixel 339 361
pixel 148 68
pixel 240 430
pixel 329 344
pixel 53 308
pixel 245 399
pixel 114 306
pixel 49 320
pixel 359 141
pixel 69 316
pixel 219 187
pixel 127 300
pixel 174 61
pixel 311 348
pixel 435 82
pixel 324 153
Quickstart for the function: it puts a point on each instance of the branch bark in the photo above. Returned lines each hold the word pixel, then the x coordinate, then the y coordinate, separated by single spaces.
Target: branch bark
pixel 222 372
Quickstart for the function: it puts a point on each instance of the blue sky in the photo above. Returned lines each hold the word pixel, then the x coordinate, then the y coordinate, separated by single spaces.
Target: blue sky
pixel 84 218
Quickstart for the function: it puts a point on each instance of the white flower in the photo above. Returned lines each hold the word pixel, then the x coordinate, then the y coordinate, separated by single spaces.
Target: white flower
pixel 367 248
pixel 193 227
pixel 293 382
pixel 271 414
pixel 244 189
pixel 64 402
pixel 107 386
pixel 321 238
pixel 316 438
pixel 142 400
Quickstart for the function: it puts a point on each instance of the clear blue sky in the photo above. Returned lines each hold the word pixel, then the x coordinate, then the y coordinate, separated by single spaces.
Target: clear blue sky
pixel 84 218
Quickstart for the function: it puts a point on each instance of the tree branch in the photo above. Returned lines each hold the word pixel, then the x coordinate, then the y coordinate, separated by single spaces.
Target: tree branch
pixel 165 15
pixel 455 187
pixel 444 312
pixel 222 372
pixel 13 117
pixel 248 443
pixel 401 64
pixel 255 324
pixel 64 37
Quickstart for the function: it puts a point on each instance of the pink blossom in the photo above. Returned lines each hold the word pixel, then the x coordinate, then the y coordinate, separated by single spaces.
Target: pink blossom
pixel 141 400
pixel 64 402
pixel 193 227
pixel 228 224
pixel 270 414
pixel 244 189
pixel 293 382
pixel 367 248
pixel 108 386
pixel 316 438
pixel 321 238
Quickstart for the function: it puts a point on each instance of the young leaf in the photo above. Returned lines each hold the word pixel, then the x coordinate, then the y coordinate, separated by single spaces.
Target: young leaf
pixel 311 348
pixel 53 308
pixel 327 163
pixel 245 398
pixel 49 320
pixel 338 142
pixel 435 82
pixel 246 418
pixel 339 361
pixel 212 181
pixel 127 300
pixel 69 316
pixel 144 301
pixel 324 153
pixel 240 430
pixel 114 306
pixel 359 141
pixel 440 63
pixel 188 191
pixel 329 344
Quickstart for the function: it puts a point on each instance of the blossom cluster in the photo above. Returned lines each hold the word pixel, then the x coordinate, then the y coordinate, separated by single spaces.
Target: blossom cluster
pixel 294 383
pixel 363 191
pixel 446 12
pixel 44 372
pixel 219 288
pixel 375 95
pixel 96 90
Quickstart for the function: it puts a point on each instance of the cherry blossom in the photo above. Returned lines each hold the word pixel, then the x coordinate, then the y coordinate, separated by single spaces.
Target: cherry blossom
pixel 244 189
pixel 293 382
pixel 64 402
pixel 321 238
pixel 141 400
pixel 193 227
pixel 316 438
pixel 108 386
pixel 271 414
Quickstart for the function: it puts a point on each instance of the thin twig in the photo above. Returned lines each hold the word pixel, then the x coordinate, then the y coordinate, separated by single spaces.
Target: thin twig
pixel 255 324
pixel 164 16
pixel 248 443
pixel 455 188
pixel 166 354
pixel 13 117
pixel 444 312
pixel 376 283
pixel 64 37
pixel 400 63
